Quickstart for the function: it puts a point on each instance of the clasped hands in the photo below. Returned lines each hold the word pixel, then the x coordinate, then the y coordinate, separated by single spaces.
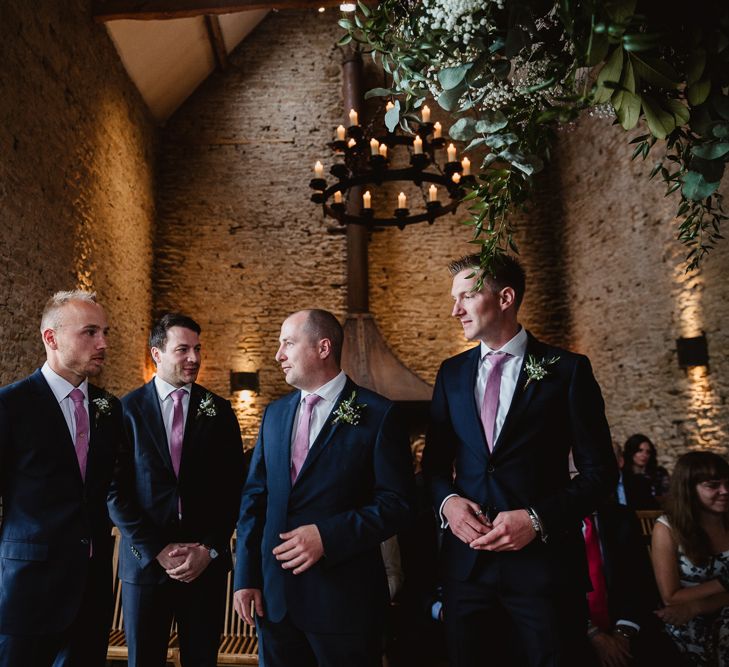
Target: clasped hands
pixel 509 531
pixel 184 562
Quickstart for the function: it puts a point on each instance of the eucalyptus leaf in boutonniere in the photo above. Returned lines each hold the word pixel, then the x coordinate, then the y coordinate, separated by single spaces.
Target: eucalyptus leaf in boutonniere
pixel 206 407
pixel 103 407
pixel 348 411
pixel 536 369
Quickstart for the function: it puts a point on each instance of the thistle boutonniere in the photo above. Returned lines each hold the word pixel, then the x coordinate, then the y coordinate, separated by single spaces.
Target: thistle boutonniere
pixel 536 369
pixel 206 407
pixel 348 411
pixel 103 407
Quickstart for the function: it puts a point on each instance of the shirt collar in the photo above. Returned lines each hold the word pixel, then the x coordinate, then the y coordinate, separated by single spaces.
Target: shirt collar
pixel 164 388
pixel 60 386
pixel 329 391
pixel 516 347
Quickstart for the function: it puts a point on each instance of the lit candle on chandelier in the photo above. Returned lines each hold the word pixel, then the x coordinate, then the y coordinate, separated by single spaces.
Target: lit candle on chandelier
pixel 319 169
pixel 351 143
pixel 466 164
pixel 353 117
pixel 374 146
pixel 437 129
pixel 383 150
pixel 338 197
pixel 340 133
pixel 389 106
pixel 432 193
pixel 456 178
pixel 426 114
pixel 451 153
pixel 367 199
pixel 402 200
pixel 417 145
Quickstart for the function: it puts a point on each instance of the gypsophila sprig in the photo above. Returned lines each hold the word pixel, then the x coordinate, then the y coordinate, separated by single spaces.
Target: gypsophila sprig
pixel 348 411
pixel 103 406
pixel 512 72
pixel 536 369
pixel 206 407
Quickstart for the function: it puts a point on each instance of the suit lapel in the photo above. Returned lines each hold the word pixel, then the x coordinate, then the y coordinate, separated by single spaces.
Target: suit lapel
pixel 283 462
pixel 464 395
pixel 151 415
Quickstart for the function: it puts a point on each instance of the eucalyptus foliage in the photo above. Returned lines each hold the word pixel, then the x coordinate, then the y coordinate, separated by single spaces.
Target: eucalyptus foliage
pixel 512 71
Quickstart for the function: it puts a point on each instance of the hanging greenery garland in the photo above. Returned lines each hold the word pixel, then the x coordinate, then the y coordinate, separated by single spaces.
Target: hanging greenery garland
pixel 511 72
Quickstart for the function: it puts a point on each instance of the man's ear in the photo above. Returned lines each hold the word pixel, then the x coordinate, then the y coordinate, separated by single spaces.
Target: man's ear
pixel 325 348
pixel 155 352
pixel 507 298
pixel 49 339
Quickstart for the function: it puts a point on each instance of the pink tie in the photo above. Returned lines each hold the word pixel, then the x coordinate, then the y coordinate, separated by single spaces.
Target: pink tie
pixel 597 598
pixel 300 448
pixel 81 441
pixel 176 435
pixel 490 405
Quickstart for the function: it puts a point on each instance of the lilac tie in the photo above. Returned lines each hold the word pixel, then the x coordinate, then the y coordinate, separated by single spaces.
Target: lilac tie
pixel 490 405
pixel 300 448
pixel 81 441
pixel 177 433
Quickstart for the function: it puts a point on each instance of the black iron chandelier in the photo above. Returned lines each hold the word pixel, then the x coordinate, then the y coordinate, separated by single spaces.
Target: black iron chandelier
pixel 367 162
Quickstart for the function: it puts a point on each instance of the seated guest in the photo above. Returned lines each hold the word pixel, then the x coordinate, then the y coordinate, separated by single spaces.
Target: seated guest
pixel 691 558
pixel 645 482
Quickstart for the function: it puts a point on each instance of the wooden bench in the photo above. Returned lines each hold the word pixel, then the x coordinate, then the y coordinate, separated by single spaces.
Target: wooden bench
pixel 647 520
pixel 238 643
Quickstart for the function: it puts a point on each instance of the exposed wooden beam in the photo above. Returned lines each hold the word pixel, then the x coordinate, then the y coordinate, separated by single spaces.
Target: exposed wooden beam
pixel 155 10
pixel 215 35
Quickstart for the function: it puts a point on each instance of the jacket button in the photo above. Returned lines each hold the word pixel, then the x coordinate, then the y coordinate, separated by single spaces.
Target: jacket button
pixel 490 469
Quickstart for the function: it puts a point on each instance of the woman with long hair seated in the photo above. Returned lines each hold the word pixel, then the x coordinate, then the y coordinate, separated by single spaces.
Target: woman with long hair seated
pixel 645 482
pixel 691 558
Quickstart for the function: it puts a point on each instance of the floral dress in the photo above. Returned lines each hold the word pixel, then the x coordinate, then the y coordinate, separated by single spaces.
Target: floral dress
pixel 704 640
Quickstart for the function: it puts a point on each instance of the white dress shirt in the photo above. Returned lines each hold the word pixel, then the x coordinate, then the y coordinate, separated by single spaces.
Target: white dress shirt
pixel 167 405
pixel 329 394
pixel 61 389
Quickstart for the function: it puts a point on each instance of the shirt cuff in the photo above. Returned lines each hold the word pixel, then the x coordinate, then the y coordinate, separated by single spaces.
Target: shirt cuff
pixel 630 624
pixel 443 522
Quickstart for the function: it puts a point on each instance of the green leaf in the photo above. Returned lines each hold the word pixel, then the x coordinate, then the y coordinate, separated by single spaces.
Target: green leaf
pixel 610 72
pixel 720 102
pixel 711 151
pixel 720 130
pixel 448 99
pixel 695 66
pixel 660 122
pixel 364 8
pixel 598 49
pixel 345 23
pixel 478 141
pixel 499 140
pixel 378 92
pixel 627 79
pixel 463 129
pixel 711 170
pixel 629 111
pixel 620 10
pixel 641 41
pixel 655 71
pixel 696 188
pixel 491 121
pixel 344 40
pixel 679 110
pixel 450 77
pixel 392 117
pixel 501 69
pixel 697 92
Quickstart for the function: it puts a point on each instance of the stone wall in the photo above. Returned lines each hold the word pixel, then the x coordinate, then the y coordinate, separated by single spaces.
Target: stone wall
pixel 76 184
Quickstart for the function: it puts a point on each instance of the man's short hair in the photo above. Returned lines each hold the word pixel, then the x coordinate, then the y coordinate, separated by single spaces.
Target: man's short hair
pixel 322 324
pixel 51 317
pixel 505 271
pixel 158 335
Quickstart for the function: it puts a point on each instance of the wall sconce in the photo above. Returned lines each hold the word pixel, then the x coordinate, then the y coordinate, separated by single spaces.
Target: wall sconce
pixel 244 381
pixel 692 351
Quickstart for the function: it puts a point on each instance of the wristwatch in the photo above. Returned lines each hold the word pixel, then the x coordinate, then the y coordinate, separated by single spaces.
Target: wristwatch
pixel 212 551
pixel 536 523
pixel 626 631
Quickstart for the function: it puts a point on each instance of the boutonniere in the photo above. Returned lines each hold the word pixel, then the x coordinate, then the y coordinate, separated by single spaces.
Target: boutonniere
pixel 206 407
pixel 348 411
pixel 536 369
pixel 103 407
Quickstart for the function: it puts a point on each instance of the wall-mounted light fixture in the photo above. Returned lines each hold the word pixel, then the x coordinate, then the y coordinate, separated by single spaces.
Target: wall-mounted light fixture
pixel 244 381
pixel 692 351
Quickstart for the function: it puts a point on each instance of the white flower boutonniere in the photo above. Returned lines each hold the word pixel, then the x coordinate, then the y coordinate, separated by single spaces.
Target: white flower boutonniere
pixel 206 407
pixel 103 407
pixel 536 369
pixel 348 411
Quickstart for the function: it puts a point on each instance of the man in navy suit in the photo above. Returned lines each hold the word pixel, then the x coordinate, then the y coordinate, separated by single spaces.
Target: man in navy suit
pixel 329 481
pixel 58 441
pixel 504 417
pixel 175 499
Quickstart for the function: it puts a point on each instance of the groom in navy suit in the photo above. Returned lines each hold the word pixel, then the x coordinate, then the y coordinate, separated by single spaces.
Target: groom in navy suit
pixel 504 417
pixel 59 436
pixel 330 480
pixel 175 499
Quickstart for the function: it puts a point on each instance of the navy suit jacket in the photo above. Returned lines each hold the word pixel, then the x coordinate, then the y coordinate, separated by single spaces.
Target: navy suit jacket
pixel 144 496
pixel 50 515
pixel 528 466
pixel 356 486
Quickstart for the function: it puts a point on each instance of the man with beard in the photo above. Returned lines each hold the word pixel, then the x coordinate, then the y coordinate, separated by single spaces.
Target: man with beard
pixel 175 500
pixel 59 436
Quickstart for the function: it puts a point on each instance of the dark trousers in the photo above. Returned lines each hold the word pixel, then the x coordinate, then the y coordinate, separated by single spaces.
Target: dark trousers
pixel 84 642
pixel 488 622
pixel 284 645
pixel 198 608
